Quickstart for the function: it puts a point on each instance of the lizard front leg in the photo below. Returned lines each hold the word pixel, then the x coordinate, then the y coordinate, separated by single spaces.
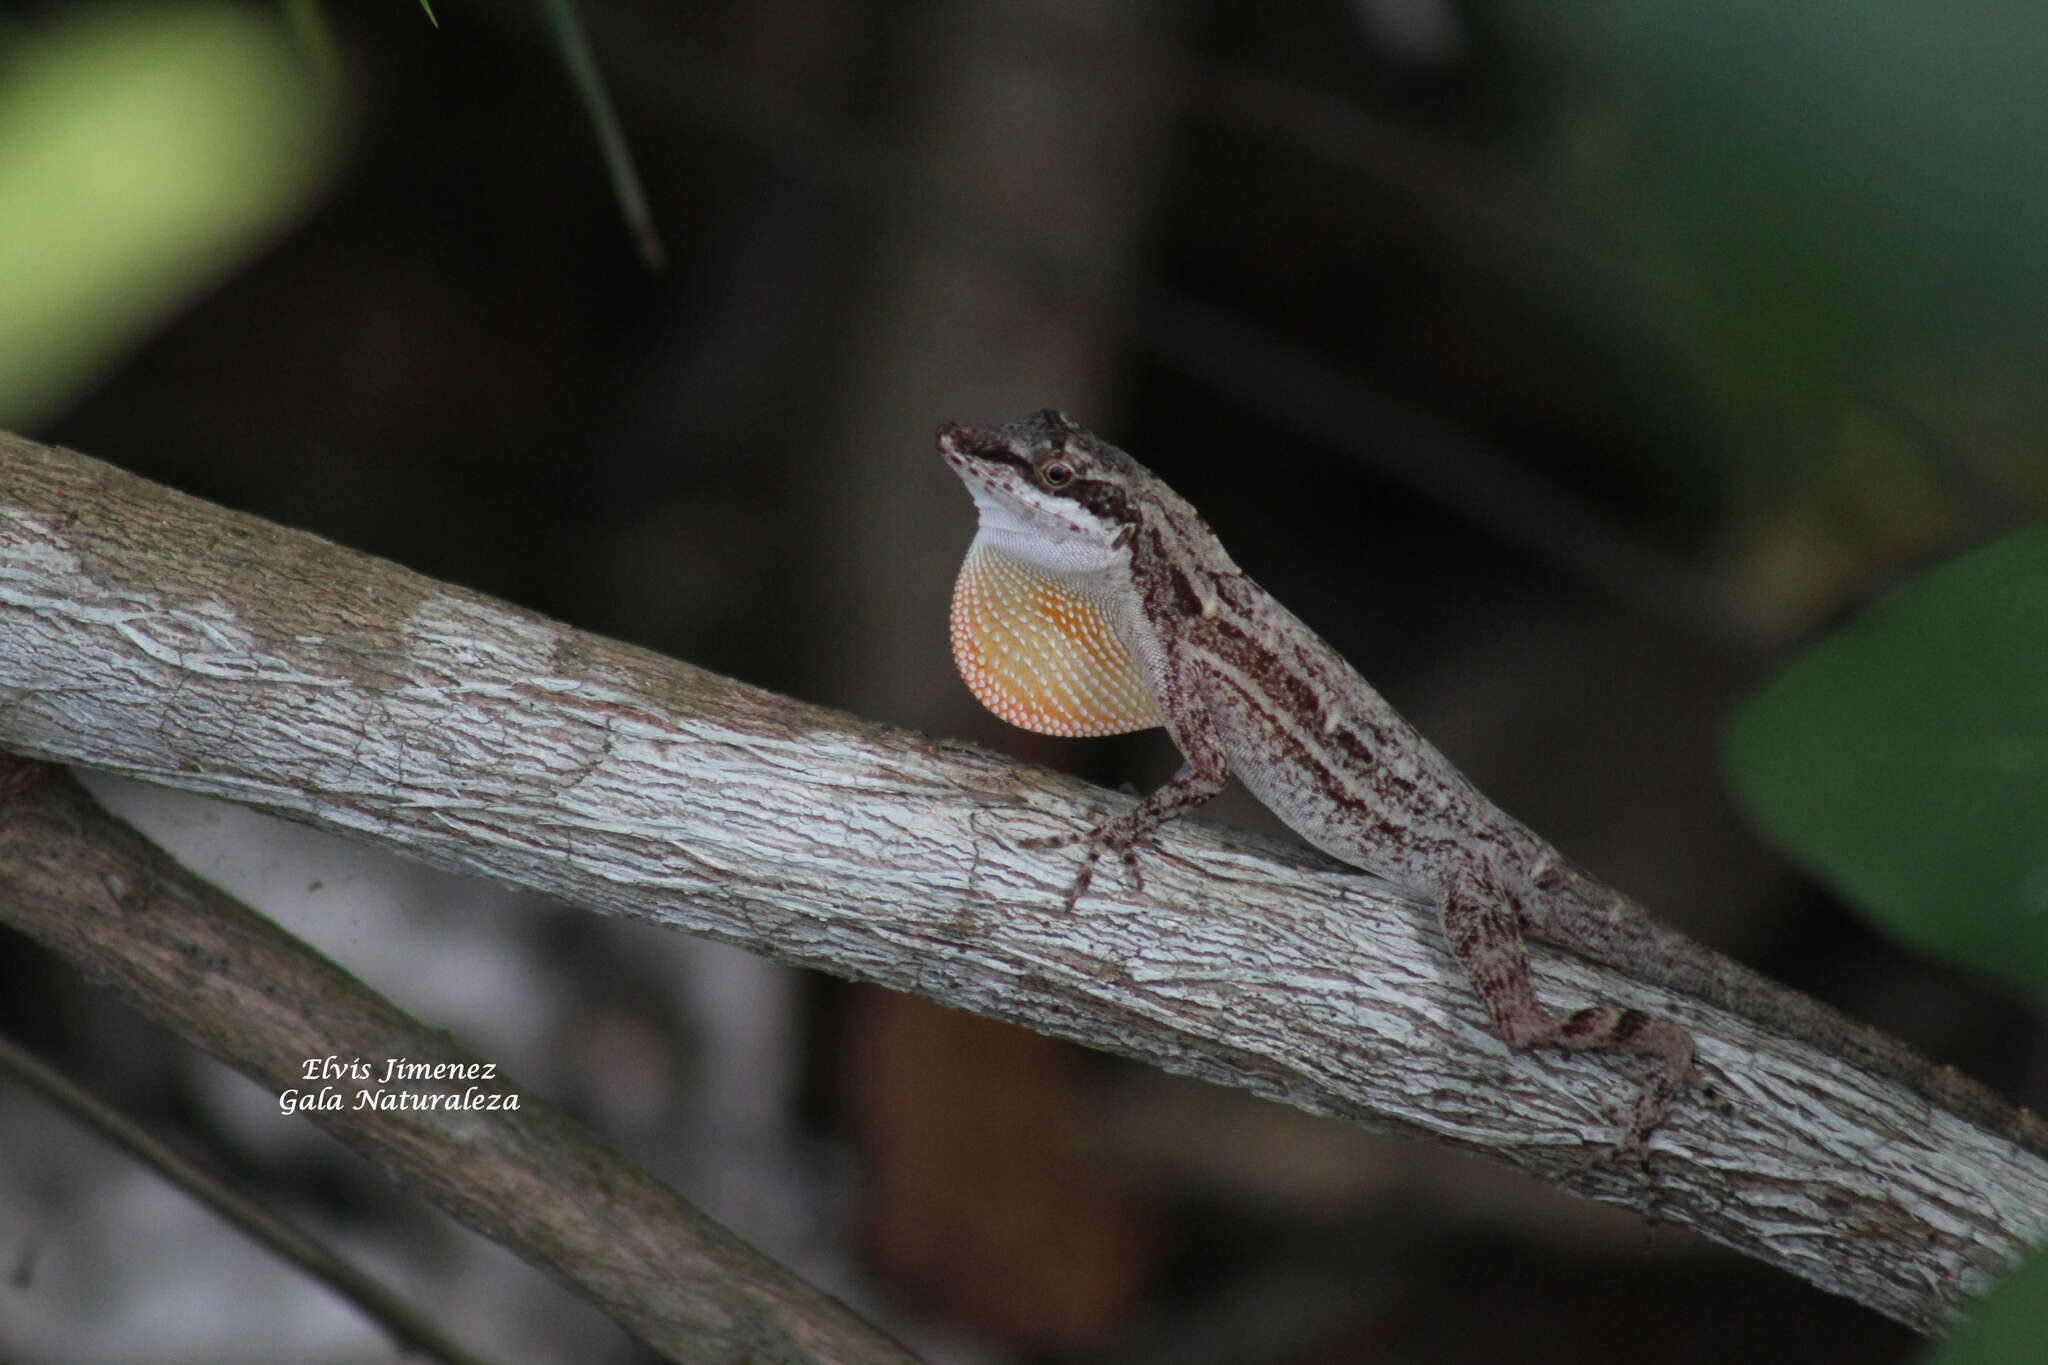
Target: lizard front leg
pixel 1202 772
pixel 1485 936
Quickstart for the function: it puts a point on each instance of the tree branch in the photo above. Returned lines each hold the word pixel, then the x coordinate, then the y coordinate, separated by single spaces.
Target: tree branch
pixel 147 633
pixel 409 1328
pixel 89 887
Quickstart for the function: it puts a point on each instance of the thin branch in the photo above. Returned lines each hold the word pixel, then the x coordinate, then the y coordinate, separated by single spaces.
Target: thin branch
pixel 90 888
pixel 407 1326
pixel 151 634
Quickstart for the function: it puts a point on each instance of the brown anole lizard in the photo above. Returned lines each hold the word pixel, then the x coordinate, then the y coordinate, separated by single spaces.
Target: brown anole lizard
pixel 1095 601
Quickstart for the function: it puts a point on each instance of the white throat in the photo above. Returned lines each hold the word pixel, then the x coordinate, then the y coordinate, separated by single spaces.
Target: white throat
pixel 1043 540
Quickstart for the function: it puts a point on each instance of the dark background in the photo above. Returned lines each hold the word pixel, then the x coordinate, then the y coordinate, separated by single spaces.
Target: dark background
pixel 1565 366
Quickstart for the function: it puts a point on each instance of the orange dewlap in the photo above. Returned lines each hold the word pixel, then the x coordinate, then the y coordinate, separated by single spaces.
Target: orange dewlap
pixel 1042 656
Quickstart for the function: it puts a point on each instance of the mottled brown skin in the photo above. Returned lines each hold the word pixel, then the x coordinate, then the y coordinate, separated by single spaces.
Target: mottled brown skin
pixel 1247 688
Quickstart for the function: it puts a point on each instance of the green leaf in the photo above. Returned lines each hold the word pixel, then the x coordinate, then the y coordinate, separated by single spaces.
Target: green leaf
pixel 2007 1325
pixel 1904 760
pixel 143 153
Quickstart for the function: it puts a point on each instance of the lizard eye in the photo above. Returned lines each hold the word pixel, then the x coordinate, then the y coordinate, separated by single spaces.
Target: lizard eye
pixel 1055 473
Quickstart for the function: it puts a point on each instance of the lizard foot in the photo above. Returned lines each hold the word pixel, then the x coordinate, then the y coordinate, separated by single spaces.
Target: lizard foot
pixel 1106 837
pixel 1665 1046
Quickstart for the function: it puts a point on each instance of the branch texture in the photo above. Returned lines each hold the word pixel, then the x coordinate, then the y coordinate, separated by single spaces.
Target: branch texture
pixel 148 633
pixel 87 886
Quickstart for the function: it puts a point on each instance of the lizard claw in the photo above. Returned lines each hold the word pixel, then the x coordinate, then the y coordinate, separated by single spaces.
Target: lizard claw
pixel 1104 838
pixel 1080 883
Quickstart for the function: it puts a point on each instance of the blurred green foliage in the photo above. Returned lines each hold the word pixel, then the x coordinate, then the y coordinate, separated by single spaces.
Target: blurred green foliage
pixel 143 153
pixel 1904 760
pixel 1844 180
pixel 2008 1326
pixel 1832 214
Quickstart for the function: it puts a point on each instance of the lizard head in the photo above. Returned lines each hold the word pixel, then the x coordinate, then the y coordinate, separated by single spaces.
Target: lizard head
pixel 1035 608
pixel 1049 493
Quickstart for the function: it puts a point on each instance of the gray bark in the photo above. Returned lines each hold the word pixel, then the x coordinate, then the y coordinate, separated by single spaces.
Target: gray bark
pixel 88 887
pixel 150 634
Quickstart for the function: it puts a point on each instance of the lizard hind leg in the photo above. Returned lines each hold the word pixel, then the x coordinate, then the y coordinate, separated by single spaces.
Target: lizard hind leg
pixel 1485 936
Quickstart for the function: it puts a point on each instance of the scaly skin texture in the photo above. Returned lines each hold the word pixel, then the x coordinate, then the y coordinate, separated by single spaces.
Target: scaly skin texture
pixel 1243 686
